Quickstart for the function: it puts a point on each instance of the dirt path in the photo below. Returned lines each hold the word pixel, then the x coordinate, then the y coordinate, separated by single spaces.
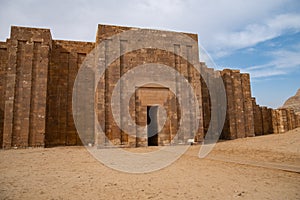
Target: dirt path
pixel 252 168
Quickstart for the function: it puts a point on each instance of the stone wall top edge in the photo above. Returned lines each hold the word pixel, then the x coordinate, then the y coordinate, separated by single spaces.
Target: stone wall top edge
pixel 138 28
pixel 31 34
pixel 124 28
pixel 29 28
pixel 73 42
pixel 3 45
pixel 281 108
pixel 35 29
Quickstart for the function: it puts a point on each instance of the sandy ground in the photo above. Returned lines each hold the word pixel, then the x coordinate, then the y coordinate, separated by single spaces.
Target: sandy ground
pixel 265 167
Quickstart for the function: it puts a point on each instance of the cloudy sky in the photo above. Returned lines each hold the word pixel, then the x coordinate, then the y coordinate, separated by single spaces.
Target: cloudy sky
pixel 261 37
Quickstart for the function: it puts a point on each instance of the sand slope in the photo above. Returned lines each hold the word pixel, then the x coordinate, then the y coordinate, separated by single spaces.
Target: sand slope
pixel 265 167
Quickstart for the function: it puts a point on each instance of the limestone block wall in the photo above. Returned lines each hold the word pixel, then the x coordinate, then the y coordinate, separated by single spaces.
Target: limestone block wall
pixel 25 87
pixel 37 76
pixel 206 102
pixel 277 128
pixel 211 78
pixel 280 123
pixel 137 108
pixel 282 120
pixel 258 122
pixel 65 60
pixel 297 119
pixel 3 64
pixel 248 106
pixel 267 120
pixel 291 119
pixel 239 119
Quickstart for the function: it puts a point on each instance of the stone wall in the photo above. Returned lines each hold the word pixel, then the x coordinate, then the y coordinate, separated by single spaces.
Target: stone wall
pixel 284 119
pixel 65 60
pixel 25 87
pixel 3 63
pixel 258 121
pixel 212 79
pixel 268 120
pixel 297 117
pixel 138 106
pixel 239 118
pixel 37 75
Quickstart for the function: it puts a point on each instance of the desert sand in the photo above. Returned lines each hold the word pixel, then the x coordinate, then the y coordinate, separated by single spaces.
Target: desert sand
pixel 264 167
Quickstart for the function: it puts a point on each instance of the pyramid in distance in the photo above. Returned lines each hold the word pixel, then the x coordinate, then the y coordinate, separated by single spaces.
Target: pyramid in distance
pixel 293 102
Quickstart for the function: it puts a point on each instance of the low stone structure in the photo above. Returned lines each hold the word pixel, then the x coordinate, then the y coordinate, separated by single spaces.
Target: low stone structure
pixel 37 75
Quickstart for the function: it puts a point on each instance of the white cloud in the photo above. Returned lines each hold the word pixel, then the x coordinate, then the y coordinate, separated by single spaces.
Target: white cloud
pixel 163 6
pixel 78 19
pixel 282 62
pixel 262 73
pixel 253 34
pixel 287 59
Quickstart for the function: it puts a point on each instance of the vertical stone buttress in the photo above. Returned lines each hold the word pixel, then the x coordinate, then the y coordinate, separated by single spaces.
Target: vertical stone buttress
pixel 258 122
pixel 229 132
pixel 26 87
pixel 248 106
pixel 240 114
pixel 3 65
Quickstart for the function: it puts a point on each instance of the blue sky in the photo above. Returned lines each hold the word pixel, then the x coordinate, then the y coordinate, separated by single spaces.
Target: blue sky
pixel 274 66
pixel 260 37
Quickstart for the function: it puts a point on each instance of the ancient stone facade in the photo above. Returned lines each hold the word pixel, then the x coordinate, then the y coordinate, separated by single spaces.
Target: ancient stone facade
pixel 239 120
pixel 37 75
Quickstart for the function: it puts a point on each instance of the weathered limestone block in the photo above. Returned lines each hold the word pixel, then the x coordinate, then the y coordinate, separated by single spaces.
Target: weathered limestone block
pixel 3 64
pixel 26 72
pixel 9 93
pixel 248 106
pixel 267 120
pixel 240 112
pixel 297 117
pixel 284 119
pixel 258 125
pixel 206 103
pixel 230 129
pixel 239 104
pixel 276 121
pixel 66 58
pixel 291 119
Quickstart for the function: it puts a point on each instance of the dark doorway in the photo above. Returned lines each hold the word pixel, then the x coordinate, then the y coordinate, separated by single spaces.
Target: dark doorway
pixel 152 125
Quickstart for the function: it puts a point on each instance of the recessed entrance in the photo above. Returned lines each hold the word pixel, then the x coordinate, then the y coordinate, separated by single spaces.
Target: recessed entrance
pixel 152 128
